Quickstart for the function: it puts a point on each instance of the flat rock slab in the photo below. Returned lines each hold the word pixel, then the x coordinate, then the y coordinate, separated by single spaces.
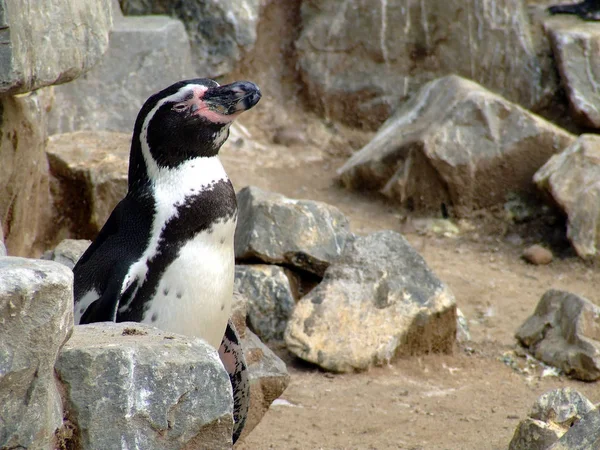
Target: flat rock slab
pixel 361 59
pixel 379 300
pixel 270 298
pixel 68 252
pixel 455 145
pixel 164 391
pixel 564 332
pixel 576 46
pixel 572 178
pixel 146 54
pixel 268 379
pixel 220 31
pixel 305 234
pixel 89 174
pixel 53 43
pixel 552 415
pixel 36 318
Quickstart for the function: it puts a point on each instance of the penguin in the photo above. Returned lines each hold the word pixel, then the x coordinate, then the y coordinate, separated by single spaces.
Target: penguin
pixel 165 256
pixel 586 10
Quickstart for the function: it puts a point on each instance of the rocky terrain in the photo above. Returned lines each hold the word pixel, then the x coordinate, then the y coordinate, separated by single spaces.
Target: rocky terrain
pixel 417 242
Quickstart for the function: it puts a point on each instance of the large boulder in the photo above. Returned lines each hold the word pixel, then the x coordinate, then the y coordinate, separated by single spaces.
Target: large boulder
pixel 51 43
pixel 379 300
pixel 24 185
pixel 572 178
pixel 455 144
pixel 360 59
pixel 583 435
pixel 220 31
pixel 564 332
pixel 552 415
pixel 110 95
pixel 268 379
pixel 89 178
pixel 576 46
pixel 275 229
pixel 166 391
pixel 36 317
pixel 270 298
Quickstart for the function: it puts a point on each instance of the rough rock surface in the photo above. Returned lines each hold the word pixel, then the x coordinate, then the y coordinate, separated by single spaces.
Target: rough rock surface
pixel 36 318
pixel 455 144
pixel 24 192
pixel 166 391
pixel 584 435
pixel 89 171
pixel 268 379
pixel 379 300
pixel 110 95
pixel 576 45
pixel 270 298
pixel 572 178
pixel 51 43
pixel 2 247
pixel 552 415
pixel 564 332
pixel 272 228
pixel 68 252
pixel 409 43
pixel 220 31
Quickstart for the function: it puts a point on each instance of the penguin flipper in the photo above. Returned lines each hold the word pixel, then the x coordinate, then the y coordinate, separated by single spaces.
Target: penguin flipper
pixel 232 357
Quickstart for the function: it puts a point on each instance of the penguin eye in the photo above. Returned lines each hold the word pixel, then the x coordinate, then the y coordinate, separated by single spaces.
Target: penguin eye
pixel 180 107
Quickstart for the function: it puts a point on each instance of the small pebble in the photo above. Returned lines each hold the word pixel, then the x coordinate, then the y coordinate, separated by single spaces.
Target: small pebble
pixel 538 255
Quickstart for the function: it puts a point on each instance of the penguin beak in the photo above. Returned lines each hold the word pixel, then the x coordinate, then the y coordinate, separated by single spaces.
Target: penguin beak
pixel 232 99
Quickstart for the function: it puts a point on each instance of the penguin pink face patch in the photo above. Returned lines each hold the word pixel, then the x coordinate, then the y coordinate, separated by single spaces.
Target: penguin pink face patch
pixel 212 111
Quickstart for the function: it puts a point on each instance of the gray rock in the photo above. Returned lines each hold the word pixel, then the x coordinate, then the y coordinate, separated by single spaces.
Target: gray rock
pixel 268 379
pixel 575 44
pixel 275 229
pixel 379 300
pixel 24 185
pixel 360 59
pixel 110 95
pixel 239 312
pixel 166 391
pixel 36 318
pixel 52 43
pixel 220 31
pixel 68 252
pixel 584 435
pixel 572 178
pixel 89 172
pixel 463 334
pixel 2 247
pixel 552 415
pixel 456 144
pixel 270 299
pixel 563 332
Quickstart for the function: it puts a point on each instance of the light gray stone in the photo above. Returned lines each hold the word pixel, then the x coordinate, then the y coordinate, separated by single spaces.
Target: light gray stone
pixel 584 435
pixel 89 175
pixel 165 391
pixel 270 299
pixel 268 379
pixel 361 59
pixel 576 46
pixel 36 318
pixel 275 229
pixel 146 54
pixel 220 31
pixel 51 43
pixel 24 185
pixel 572 178
pixel 68 252
pixel 2 247
pixel 564 332
pixel 552 415
pixel 455 145
pixel 379 300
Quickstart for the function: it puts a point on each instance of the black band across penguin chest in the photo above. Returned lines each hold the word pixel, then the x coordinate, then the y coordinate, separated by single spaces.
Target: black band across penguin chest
pixel 198 213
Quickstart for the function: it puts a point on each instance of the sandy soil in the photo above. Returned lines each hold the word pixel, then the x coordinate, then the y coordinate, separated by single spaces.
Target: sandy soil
pixel 468 400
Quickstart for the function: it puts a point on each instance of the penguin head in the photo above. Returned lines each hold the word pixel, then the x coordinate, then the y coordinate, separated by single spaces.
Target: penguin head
pixel 190 119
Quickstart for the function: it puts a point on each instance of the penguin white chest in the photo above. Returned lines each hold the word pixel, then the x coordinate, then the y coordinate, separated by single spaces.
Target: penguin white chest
pixel 195 291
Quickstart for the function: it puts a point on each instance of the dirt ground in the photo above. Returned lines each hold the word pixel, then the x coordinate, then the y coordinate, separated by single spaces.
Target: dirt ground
pixel 471 399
